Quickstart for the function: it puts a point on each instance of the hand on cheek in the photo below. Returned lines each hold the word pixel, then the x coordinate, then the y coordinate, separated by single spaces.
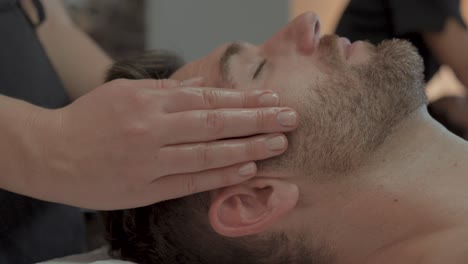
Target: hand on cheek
pixel 131 143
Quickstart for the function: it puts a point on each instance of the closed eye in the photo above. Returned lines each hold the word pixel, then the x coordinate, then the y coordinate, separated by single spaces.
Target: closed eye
pixel 259 69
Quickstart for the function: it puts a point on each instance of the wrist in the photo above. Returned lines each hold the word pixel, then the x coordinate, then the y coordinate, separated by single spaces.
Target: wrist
pixel 43 152
pixel 23 142
pixel 38 140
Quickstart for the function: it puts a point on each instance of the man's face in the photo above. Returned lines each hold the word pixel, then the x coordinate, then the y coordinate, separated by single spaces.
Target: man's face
pixel 289 62
pixel 348 95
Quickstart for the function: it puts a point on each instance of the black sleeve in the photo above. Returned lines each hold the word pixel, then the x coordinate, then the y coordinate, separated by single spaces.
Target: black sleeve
pixel 415 16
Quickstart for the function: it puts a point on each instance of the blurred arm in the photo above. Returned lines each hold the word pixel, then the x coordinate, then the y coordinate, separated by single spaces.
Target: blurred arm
pixel 80 63
pixel 19 142
pixel 450 46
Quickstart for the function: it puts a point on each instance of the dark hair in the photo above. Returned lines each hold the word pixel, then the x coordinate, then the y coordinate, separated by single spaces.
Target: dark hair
pixel 178 230
pixel 155 64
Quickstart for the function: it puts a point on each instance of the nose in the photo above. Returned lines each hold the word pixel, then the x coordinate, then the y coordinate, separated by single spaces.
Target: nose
pixel 302 34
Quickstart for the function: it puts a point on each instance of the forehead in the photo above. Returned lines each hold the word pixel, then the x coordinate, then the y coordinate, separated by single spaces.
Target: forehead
pixel 207 67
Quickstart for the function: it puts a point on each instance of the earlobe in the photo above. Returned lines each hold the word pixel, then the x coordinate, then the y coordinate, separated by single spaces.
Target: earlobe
pixel 251 207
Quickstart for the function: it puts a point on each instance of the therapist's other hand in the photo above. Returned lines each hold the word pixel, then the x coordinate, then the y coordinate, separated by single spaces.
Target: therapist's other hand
pixel 131 143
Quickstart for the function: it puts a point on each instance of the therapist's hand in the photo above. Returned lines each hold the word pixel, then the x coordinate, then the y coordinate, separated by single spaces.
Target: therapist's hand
pixel 131 143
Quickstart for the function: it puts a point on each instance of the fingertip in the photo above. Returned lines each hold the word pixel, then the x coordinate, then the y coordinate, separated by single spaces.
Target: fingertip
pixel 248 170
pixel 288 118
pixel 277 143
pixel 268 98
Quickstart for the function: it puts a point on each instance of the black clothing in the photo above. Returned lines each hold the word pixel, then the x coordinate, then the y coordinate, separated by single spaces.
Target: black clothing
pixel 32 230
pixel 376 20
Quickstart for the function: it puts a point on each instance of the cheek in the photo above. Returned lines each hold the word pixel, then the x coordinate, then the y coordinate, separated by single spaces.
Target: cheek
pixel 287 86
pixel 293 82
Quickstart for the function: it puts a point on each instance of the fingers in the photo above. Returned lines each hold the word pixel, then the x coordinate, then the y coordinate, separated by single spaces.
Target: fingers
pixel 203 156
pixel 207 125
pixel 155 84
pixel 175 186
pixel 193 97
pixel 185 99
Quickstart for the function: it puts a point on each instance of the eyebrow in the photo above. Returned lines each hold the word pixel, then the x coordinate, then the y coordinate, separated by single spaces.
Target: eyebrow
pixel 233 49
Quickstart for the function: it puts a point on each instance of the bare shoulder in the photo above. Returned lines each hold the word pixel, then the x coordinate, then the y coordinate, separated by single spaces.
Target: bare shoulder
pixel 448 246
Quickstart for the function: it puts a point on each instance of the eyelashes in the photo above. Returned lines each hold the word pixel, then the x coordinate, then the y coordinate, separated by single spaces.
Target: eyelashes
pixel 259 69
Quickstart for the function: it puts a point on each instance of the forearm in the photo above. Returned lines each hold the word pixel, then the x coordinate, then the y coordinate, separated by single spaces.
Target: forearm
pixel 449 47
pixel 462 76
pixel 17 148
pixel 460 65
pixel 80 63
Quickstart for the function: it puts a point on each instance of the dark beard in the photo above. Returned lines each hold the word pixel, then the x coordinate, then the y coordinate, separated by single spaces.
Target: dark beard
pixel 349 115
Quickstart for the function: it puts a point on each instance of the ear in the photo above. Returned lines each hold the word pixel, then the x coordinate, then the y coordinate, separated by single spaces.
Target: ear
pixel 251 207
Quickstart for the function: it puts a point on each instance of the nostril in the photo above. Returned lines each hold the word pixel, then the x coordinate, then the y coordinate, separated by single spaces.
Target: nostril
pixel 306 32
pixel 317 27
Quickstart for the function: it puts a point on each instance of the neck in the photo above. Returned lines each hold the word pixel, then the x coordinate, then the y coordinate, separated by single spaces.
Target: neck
pixel 415 184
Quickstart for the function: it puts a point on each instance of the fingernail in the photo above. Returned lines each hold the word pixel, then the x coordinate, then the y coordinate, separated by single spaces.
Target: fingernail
pixel 269 99
pixel 247 169
pixel 276 143
pixel 192 81
pixel 287 118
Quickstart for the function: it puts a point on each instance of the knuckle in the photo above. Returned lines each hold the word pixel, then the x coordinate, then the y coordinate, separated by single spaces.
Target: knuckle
pixel 191 184
pixel 158 83
pixel 165 83
pixel 244 98
pixel 251 149
pixel 261 120
pixel 204 155
pixel 210 98
pixel 214 121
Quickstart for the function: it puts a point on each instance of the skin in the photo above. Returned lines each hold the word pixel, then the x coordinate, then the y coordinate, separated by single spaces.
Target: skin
pixel 279 57
pixel 121 144
pixel 405 204
pixel 57 32
pixel 448 46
